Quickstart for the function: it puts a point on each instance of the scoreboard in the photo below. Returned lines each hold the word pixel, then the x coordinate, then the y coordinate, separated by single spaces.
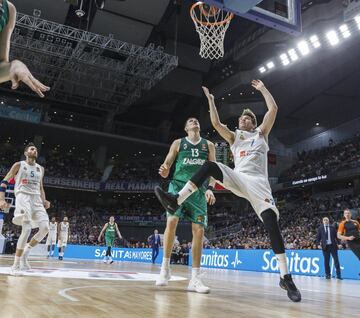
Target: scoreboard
pixel 223 152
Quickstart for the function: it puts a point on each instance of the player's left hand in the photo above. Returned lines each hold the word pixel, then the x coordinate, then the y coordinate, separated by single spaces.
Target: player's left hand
pixel 207 93
pixel 46 204
pixel 258 85
pixel 20 73
pixel 4 205
pixel 210 197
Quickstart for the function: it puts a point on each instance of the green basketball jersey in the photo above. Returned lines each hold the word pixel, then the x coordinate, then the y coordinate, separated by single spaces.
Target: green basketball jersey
pixel 110 230
pixel 4 15
pixel 190 158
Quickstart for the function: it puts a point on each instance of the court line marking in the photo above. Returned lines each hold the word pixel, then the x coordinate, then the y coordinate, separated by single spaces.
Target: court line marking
pixel 63 292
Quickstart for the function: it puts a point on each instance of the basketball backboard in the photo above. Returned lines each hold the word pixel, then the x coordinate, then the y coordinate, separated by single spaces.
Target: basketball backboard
pixel 282 15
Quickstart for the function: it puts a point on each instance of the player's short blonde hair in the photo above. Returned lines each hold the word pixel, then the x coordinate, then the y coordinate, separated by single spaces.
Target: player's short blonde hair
pixel 250 113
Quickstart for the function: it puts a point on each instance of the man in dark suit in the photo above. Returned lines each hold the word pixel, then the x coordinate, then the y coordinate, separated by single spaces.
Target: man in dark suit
pixel 155 243
pixel 327 238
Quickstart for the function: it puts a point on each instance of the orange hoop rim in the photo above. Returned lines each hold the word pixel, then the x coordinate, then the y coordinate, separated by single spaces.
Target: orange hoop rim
pixel 196 20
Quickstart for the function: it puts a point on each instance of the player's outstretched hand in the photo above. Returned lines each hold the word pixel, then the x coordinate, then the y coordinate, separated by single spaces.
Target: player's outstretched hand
pixel 20 73
pixel 4 205
pixel 207 93
pixel 258 85
pixel 210 197
pixel 164 171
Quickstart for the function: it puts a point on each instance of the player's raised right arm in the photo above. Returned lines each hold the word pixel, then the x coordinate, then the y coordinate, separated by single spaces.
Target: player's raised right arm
pixel 170 158
pixel 4 183
pixel 222 129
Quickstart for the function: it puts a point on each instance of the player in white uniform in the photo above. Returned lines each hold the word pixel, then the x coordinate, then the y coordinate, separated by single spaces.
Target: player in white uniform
pixel 249 179
pixel 64 234
pixel 51 238
pixel 30 205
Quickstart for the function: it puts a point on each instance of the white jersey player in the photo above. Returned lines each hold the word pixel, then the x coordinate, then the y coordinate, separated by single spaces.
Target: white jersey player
pixel 30 205
pixel 64 233
pixel 51 238
pixel 249 179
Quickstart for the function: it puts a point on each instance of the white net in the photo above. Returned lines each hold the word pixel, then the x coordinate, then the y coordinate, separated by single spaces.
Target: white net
pixel 211 24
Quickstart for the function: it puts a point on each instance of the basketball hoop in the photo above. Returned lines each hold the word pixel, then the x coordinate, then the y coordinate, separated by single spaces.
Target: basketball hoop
pixel 211 24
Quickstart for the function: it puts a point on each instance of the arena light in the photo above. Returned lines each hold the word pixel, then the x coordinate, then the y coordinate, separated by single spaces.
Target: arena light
pixel 332 37
pixel 357 20
pixel 284 59
pixel 315 41
pixel 293 55
pixel 344 31
pixel 303 48
pixel 262 69
pixel 270 65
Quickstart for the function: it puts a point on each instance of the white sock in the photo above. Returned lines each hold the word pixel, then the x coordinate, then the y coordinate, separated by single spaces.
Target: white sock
pixel 17 260
pixel 195 272
pixel 185 192
pixel 281 258
pixel 165 263
pixel 26 250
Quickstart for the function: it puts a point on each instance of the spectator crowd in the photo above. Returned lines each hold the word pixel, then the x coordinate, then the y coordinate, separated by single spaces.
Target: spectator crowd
pixel 336 157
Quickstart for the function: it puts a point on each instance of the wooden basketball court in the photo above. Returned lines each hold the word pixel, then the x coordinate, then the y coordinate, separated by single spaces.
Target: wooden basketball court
pixel 127 290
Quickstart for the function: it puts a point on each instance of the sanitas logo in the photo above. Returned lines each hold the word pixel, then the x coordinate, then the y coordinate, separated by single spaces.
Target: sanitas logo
pixel 297 264
pixel 215 260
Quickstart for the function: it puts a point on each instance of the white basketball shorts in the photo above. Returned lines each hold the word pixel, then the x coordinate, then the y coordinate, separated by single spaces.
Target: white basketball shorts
pixel 29 207
pixel 255 189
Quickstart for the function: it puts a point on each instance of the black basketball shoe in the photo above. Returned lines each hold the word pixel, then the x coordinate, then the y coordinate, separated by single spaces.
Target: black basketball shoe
pixel 167 200
pixel 288 284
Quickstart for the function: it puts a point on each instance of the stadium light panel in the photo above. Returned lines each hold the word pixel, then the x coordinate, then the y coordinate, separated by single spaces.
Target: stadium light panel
pixel 284 59
pixel 270 65
pixel 357 20
pixel 332 37
pixel 262 69
pixel 315 41
pixel 293 55
pixel 344 31
pixel 303 48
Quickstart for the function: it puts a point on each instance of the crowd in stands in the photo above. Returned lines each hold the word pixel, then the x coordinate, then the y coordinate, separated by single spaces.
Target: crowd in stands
pixel 65 164
pixel 142 170
pixel 243 230
pixel 298 221
pixel 234 226
pixel 79 164
pixel 325 161
pixel 73 163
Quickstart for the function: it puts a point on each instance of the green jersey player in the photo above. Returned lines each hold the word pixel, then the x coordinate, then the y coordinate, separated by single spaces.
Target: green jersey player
pixel 190 153
pixel 110 230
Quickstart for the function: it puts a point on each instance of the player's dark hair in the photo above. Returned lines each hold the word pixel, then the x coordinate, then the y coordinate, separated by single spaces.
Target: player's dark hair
pixel 188 120
pixel 30 144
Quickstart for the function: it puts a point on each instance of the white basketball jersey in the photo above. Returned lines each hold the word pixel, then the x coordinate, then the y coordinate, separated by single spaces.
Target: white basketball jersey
pixel 250 152
pixel 53 227
pixel 64 228
pixel 28 178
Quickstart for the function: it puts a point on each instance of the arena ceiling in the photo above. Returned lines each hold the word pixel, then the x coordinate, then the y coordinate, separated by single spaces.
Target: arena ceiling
pixel 321 88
